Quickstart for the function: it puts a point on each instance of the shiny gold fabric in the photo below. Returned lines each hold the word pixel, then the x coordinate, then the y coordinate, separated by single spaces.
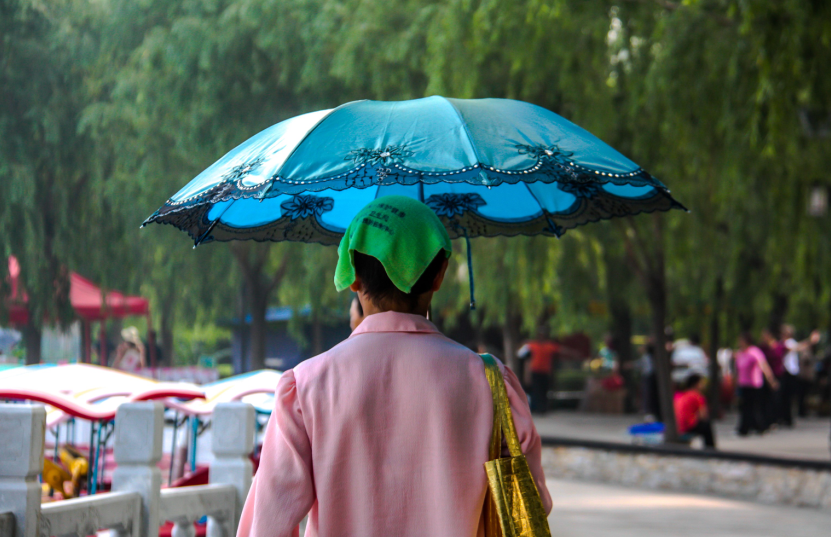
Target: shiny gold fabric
pixel 513 507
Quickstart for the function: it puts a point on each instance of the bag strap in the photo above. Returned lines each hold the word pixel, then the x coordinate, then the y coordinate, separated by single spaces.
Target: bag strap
pixel 503 418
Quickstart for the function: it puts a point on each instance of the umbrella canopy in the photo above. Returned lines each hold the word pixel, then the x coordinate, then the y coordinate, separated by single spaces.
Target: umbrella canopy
pixel 486 167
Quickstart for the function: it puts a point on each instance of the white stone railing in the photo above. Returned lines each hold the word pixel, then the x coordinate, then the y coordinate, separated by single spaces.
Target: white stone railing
pixel 6 524
pixel 183 506
pixel 137 505
pixel 84 516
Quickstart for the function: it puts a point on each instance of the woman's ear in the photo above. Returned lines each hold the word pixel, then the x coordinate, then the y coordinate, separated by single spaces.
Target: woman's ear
pixel 356 286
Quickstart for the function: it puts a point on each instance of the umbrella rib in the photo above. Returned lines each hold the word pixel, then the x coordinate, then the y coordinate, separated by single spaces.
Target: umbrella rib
pixel 547 216
pixel 204 235
pixel 467 132
pixel 308 133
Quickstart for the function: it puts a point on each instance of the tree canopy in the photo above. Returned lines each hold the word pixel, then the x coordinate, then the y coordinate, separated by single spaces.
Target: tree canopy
pixel 107 108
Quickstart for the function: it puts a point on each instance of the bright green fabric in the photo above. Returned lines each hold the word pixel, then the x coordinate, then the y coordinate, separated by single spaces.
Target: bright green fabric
pixel 402 233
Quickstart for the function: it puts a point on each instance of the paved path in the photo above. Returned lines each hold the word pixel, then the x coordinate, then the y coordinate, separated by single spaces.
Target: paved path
pixel 594 510
pixel 807 440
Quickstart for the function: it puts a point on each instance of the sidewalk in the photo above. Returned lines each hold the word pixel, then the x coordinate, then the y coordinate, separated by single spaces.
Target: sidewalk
pixel 592 510
pixel 809 439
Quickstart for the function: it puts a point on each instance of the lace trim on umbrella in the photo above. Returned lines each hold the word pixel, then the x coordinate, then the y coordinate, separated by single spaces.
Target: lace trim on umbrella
pixel 384 167
pixel 301 218
pixel 374 166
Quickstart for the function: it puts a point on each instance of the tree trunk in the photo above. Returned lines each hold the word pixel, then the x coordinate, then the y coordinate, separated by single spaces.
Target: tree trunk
pixel 317 333
pixel 714 391
pixel 479 332
pixel 621 329
pixel 31 339
pixel 649 265
pixel 777 314
pixel 258 303
pixel 657 293
pixel 510 342
pixel 166 330
pixel 258 288
pixel 657 300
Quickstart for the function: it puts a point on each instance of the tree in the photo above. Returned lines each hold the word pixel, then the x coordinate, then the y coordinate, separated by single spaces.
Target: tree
pixel 108 108
pixel 44 162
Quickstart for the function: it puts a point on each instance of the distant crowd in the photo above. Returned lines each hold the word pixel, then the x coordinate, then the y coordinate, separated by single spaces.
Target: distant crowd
pixel 771 380
pixel 771 377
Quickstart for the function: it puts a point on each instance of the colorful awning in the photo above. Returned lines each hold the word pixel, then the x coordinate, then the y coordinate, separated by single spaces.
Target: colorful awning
pixel 87 299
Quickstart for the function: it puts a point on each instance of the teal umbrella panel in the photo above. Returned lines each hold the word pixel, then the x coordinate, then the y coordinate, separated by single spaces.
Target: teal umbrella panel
pixel 486 167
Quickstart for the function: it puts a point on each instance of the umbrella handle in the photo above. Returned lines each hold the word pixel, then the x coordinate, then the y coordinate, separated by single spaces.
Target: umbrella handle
pixel 469 269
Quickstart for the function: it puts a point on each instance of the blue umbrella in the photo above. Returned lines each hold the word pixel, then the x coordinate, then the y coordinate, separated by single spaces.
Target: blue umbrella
pixel 487 167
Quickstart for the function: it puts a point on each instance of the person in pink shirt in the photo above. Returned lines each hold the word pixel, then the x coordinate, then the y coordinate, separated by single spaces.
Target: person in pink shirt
pixel 387 433
pixel 751 370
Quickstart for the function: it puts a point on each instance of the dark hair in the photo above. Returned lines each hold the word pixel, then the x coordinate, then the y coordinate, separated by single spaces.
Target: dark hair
pixel 380 289
pixel 692 381
pixel 695 339
pixel 358 302
pixel 747 337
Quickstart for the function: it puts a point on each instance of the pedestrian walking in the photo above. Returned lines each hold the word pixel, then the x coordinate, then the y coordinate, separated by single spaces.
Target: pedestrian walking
pixel 798 364
pixel 790 376
pixel 752 369
pixel 387 433
pixel 689 358
pixel 774 352
pixel 541 352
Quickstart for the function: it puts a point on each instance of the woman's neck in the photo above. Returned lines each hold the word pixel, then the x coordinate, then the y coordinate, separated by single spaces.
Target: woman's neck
pixel 371 308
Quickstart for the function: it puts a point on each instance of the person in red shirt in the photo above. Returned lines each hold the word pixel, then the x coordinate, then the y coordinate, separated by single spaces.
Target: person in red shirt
pixel 542 352
pixel 691 414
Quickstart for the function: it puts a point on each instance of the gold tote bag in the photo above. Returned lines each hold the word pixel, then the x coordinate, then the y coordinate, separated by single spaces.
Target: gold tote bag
pixel 514 507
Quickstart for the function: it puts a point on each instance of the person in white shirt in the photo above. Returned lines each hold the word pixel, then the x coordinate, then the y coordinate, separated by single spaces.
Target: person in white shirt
pixel 687 358
pixel 792 383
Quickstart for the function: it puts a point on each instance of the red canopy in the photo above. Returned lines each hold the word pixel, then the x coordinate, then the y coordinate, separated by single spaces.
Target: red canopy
pixel 86 298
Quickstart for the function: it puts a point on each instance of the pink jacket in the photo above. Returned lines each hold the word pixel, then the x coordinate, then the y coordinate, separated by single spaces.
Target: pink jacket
pixel 384 435
pixel 748 367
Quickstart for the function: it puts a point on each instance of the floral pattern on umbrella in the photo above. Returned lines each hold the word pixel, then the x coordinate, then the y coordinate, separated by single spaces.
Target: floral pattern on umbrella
pixel 391 153
pixel 301 206
pixel 450 205
pixel 580 190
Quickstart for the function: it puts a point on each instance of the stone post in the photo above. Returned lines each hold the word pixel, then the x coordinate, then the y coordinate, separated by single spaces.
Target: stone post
pixel 184 528
pixel 22 428
pixel 138 449
pixel 232 443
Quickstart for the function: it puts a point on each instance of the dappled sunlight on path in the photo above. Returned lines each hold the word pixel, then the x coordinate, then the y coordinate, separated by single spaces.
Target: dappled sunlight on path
pixel 807 440
pixel 590 510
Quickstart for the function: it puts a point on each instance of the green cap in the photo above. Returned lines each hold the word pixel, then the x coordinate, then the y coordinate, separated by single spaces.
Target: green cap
pixel 402 233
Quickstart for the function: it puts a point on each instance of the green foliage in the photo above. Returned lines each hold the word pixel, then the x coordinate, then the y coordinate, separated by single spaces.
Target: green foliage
pixel 107 108
pixel 201 340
